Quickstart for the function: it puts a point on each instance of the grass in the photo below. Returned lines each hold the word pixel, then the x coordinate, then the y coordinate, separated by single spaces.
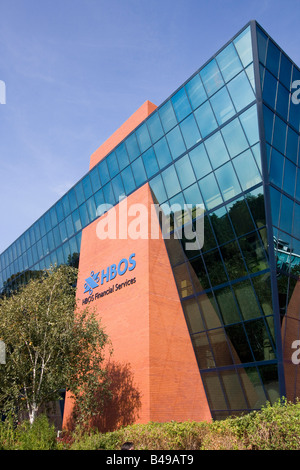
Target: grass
pixel 274 427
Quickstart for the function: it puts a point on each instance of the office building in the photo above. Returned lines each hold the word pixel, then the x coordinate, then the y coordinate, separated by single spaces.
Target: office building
pixel 210 331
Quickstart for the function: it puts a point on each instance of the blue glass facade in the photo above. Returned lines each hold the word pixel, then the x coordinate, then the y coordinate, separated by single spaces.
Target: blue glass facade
pixel 228 138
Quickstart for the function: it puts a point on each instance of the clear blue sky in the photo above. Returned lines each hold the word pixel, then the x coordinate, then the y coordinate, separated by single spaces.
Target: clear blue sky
pixel 75 70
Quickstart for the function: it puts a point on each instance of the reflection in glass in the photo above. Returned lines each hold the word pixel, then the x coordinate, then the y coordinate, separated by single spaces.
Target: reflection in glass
pixel 162 152
pixel 211 77
pixel 193 315
pixel 181 104
pixel 228 181
pixel 241 91
pixel 247 170
pixel 205 119
pixel 234 138
pixel 143 137
pixel 233 261
pixel 216 150
pixel 195 91
pixel 176 143
pixel 246 300
pixel 210 191
pixel 229 62
pixel 190 131
pixel 200 161
pixel 222 106
pixel 253 252
pixel 244 47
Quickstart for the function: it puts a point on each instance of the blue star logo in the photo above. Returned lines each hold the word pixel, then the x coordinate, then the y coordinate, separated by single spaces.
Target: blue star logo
pixel 91 282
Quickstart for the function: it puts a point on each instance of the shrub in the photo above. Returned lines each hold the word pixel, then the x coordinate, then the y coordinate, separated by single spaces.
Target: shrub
pixel 38 436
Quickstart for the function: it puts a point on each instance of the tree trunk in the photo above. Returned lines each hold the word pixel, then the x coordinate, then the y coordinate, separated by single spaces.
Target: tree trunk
pixel 33 413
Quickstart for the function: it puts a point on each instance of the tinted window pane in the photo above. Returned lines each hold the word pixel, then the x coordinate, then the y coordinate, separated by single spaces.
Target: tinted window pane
pixel 171 181
pixel 227 306
pixel 249 123
pixel 158 189
pixel 211 77
pixel 216 150
pixel 112 164
pixel 69 226
pixel 138 171
pixel 87 187
pixel 150 162
pixel 289 177
pixel 167 116
pixel 273 56
pixel 210 191
pixel 229 62
pixel 244 47
pixel 185 172
pixel 285 71
pixel 181 104
pixel 72 199
pixel 234 137
pixel 118 188
pixel 246 300
pixel 233 261
pixel 108 194
pixel 222 106
pixel 196 92
pixel 95 179
pixel 103 172
pixel 215 268
pixel 100 202
pixel 143 137
pixel 132 147
pixel 247 170
pixel 286 214
pixel 79 193
pixel 128 180
pixel 221 224
pixel 292 145
pixel 122 156
pixel 190 131
pixel 84 215
pixel 91 207
pixel 200 161
pixel 76 220
pixel 60 215
pixel 262 41
pixel 163 154
pixel 270 88
pixel 155 127
pixel 205 119
pixel 268 121
pixel 282 104
pixel 176 143
pixel 228 182
pixel 241 91
pixel 279 137
pixel 275 205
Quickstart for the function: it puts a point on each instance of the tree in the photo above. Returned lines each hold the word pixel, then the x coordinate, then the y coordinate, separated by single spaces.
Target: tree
pixel 50 345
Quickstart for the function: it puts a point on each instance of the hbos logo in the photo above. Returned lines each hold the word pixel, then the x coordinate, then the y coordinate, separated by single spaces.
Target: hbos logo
pixel 109 273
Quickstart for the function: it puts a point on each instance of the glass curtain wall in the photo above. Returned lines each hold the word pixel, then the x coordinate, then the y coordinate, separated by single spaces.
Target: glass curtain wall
pixel 281 112
pixel 201 146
